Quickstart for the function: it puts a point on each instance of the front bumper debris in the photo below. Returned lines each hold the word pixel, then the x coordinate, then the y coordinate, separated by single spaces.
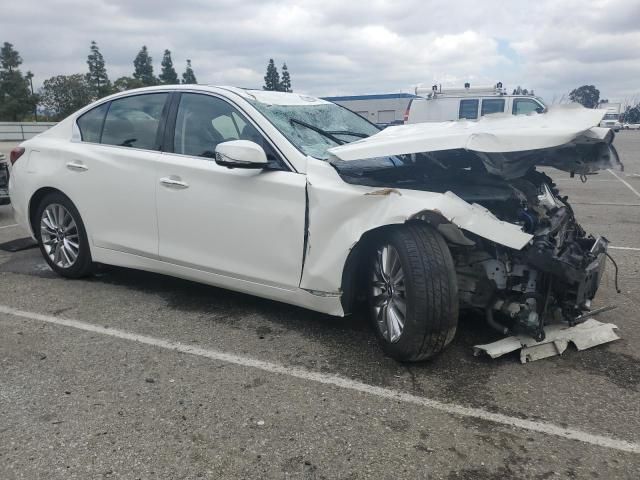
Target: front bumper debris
pixel 584 335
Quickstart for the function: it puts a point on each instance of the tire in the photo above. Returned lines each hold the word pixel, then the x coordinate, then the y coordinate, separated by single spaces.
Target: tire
pixel 428 290
pixel 63 243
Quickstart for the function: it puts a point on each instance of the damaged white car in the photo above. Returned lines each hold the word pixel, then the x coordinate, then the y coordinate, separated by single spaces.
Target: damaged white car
pixel 299 200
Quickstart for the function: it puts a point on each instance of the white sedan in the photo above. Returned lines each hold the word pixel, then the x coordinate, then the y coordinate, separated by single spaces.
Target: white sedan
pixel 299 200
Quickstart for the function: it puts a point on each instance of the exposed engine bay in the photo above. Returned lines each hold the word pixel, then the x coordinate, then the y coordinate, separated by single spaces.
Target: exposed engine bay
pixel 552 279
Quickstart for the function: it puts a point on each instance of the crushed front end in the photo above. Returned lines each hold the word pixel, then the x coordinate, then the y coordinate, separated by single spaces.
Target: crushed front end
pixel 494 164
pixel 552 279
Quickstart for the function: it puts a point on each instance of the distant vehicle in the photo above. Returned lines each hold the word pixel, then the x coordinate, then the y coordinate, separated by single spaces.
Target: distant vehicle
pixel 437 104
pixel 4 180
pixel 382 109
pixel 611 119
pixel 631 126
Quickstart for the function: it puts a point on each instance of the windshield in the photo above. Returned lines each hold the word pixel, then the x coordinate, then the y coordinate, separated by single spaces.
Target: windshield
pixel 317 127
pixel 611 116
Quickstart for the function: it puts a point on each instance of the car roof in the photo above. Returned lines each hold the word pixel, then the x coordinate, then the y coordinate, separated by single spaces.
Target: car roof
pixel 263 96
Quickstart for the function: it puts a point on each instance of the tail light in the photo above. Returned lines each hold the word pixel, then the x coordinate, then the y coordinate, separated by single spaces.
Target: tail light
pixel 15 154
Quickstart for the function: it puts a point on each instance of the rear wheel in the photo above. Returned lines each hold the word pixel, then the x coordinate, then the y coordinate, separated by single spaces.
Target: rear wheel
pixel 62 237
pixel 413 295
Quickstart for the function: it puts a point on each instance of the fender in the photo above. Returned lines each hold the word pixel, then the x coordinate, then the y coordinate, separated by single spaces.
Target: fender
pixel 340 214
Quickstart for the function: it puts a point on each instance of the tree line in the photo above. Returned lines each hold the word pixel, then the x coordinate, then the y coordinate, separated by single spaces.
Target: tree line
pixel 589 97
pixel 272 80
pixel 62 95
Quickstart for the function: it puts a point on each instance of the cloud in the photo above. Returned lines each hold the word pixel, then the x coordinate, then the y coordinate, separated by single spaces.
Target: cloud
pixel 338 47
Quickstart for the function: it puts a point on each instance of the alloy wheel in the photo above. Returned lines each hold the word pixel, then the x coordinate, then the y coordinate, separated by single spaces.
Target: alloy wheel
pixel 389 293
pixel 59 235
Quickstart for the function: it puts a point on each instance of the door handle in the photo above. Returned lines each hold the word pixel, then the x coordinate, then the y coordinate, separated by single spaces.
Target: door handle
pixel 174 182
pixel 77 167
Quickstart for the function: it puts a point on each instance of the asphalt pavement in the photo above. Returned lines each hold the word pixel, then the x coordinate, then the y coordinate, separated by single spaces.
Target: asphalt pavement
pixel 129 374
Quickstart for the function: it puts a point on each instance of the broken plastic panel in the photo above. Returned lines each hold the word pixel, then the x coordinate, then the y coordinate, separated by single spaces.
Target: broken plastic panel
pixel 558 337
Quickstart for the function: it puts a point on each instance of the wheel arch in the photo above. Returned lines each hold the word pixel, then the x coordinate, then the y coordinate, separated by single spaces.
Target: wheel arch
pixel 34 203
pixel 354 270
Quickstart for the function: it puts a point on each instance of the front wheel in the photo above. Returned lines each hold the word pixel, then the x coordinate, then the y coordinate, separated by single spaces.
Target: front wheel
pixel 413 294
pixel 62 237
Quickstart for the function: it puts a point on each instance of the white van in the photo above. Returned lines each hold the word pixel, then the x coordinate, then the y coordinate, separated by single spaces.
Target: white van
pixel 611 119
pixel 436 104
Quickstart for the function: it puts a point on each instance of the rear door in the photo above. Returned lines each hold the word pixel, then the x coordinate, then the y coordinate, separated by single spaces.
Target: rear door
pixel 111 173
pixel 241 223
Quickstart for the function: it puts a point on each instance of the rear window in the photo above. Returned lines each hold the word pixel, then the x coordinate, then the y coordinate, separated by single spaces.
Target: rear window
pixel 492 105
pixel 133 121
pixel 90 124
pixel 469 109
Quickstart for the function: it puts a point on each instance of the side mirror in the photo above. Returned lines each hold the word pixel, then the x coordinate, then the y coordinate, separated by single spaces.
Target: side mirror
pixel 241 154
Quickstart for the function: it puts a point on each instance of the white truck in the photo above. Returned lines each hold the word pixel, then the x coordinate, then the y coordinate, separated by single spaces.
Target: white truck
pixel 438 104
pixel 611 119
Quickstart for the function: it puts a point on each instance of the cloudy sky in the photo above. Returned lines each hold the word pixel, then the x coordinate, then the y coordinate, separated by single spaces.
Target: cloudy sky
pixel 344 46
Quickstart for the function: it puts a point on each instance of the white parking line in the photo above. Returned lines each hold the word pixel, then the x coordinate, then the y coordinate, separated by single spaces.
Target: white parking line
pixel 556 180
pixel 624 181
pixel 338 381
pixel 9 226
pixel 607 204
pixel 625 248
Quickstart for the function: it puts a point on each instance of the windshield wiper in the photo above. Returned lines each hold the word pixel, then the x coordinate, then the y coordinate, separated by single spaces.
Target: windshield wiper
pixel 347 132
pixel 318 130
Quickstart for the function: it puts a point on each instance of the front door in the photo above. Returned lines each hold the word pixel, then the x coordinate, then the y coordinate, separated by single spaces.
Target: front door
pixel 239 223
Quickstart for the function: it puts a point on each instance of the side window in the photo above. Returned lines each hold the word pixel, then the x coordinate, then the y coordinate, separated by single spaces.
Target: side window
pixel 522 106
pixel 133 121
pixel 492 105
pixel 204 121
pixel 90 124
pixel 469 109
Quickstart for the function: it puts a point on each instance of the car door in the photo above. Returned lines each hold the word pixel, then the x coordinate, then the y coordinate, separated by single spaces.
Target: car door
pixel 112 170
pixel 246 224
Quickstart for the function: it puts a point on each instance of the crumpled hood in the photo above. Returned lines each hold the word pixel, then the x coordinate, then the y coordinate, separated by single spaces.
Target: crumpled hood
pixel 566 137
